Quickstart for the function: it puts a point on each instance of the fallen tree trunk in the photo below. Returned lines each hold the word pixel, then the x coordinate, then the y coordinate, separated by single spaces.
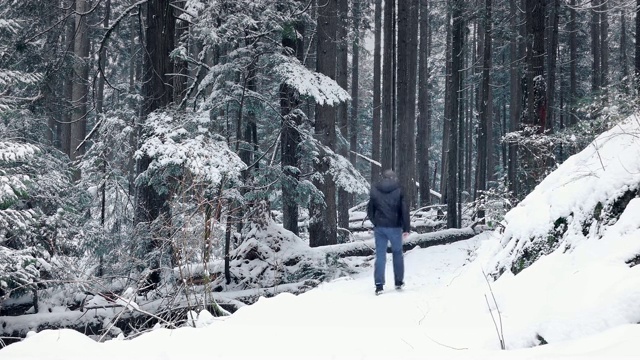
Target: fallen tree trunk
pixel 367 248
pixel 419 228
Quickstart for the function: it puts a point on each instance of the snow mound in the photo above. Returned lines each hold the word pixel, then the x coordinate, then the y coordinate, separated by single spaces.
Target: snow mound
pixel 566 260
pixel 579 201
pixel 271 255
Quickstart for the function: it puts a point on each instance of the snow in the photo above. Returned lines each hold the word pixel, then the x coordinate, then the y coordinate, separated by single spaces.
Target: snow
pixel 441 313
pixel 581 297
pixel 323 89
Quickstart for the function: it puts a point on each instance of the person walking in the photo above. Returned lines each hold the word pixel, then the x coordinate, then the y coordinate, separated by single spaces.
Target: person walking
pixel 388 212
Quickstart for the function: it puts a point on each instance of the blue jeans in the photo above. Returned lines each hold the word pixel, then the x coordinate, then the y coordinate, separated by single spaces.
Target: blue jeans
pixel 383 235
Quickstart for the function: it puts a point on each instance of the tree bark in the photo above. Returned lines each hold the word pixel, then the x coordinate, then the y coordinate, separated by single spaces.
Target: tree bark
pixel 624 64
pixel 290 138
pixel 552 55
pixel 103 61
pixel 322 225
pixel 65 126
pixel 157 93
pixel 355 86
pixel 376 136
pixel 637 41
pixel 444 160
pixel 457 45
pixel 595 45
pixel 485 110
pixel 80 90
pixel 181 66
pixel 573 61
pixel 535 89
pixel 342 109
pixel 407 62
pixel 604 46
pixel 388 85
pixel 423 141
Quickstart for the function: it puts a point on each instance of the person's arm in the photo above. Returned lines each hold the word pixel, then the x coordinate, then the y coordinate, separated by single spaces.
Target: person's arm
pixel 371 210
pixel 404 215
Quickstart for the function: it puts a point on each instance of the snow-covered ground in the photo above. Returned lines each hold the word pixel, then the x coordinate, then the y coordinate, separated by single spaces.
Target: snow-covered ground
pixel 442 313
pixel 581 296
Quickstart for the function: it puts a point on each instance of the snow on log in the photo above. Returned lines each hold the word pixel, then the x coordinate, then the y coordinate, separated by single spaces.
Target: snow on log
pixel 367 248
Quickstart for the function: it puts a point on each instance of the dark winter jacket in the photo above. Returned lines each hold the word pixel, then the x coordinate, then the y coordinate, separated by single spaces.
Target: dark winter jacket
pixel 387 207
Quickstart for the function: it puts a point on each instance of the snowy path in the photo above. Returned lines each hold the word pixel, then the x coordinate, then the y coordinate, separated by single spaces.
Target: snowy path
pixel 441 308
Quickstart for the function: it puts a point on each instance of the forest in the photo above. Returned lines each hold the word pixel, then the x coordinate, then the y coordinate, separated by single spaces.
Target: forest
pixel 199 154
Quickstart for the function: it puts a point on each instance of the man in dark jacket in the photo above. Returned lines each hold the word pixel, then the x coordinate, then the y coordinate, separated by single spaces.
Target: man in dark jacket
pixel 389 215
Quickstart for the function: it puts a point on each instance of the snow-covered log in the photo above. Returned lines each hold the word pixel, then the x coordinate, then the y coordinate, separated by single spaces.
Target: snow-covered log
pixel 366 248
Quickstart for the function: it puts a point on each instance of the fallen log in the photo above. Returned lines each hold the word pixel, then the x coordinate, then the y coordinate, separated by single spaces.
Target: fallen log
pixel 367 248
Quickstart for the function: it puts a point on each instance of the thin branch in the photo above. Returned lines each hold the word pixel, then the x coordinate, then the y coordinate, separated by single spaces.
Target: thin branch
pixel 107 35
pixel 500 331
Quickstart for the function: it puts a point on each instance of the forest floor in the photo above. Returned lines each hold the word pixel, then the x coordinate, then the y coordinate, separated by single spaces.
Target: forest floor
pixel 441 313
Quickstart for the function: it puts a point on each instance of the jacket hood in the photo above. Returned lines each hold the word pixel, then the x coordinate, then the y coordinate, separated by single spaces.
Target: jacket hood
pixel 387 185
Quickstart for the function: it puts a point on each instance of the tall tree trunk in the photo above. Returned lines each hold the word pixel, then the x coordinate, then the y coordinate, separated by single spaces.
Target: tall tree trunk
pixel 624 64
pixel 133 49
pixel 322 224
pixel 604 46
pixel 99 109
pixel 290 138
pixel 457 40
pixel 573 61
pixel 491 145
pixel 103 61
pixel 423 141
pixel 134 60
pixel 461 123
pixel 388 85
pixel 637 42
pixel 595 44
pixel 485 110
pixel 355 82
pixel 535 87
pixel 407 61
pixel 65 126
pixel 181 66
pixel 157 93
pixel 444 161
pixel 250 121
pixel 552 55
pixel 342 109
pixel 536 95
pixel 472 100
pixel 376 136
pixel 515 101
pixel 80 91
